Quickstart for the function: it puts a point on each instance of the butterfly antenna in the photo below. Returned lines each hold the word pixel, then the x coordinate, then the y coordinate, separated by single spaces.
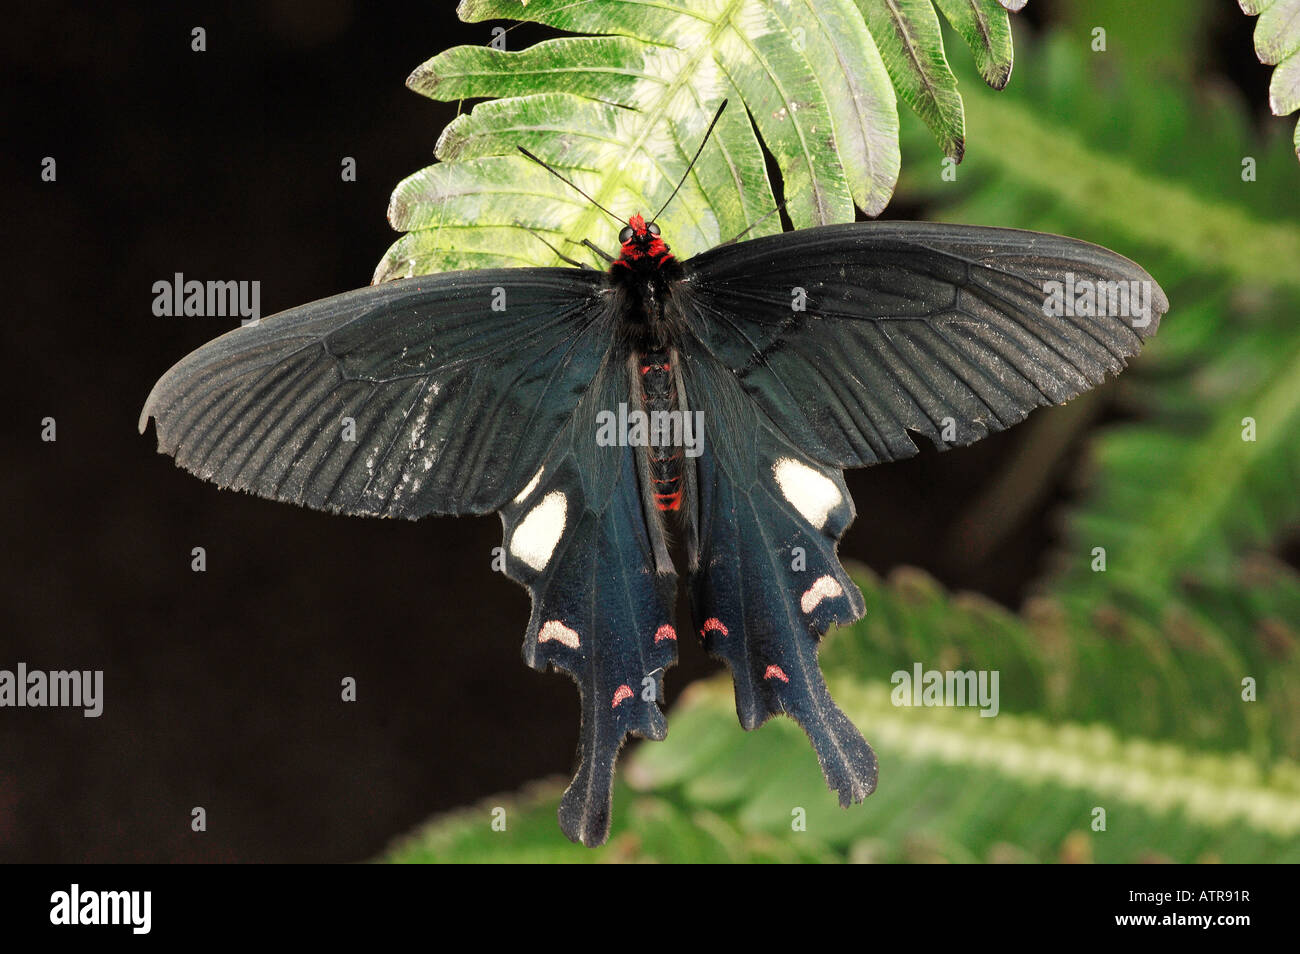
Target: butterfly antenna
pixel 541 238
pixel 553 171
pixel 594 247
pixel 732 241
pixel 716 117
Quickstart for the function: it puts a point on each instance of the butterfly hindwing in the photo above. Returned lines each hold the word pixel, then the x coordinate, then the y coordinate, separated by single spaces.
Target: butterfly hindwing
pixel 765 580
pixel 428 395
pixel 577 538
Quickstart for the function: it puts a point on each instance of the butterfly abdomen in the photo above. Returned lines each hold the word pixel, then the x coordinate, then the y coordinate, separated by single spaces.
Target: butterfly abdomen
pixel 664 447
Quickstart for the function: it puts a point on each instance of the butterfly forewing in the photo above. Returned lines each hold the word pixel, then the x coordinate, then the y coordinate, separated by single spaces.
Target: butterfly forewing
pixel 849 336
pixel 434 395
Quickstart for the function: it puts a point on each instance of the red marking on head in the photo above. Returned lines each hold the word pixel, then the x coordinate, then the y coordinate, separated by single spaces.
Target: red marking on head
pixel 621 693
pixel 643 244
pixel 713 624
pixel 775 672
pixel 665 632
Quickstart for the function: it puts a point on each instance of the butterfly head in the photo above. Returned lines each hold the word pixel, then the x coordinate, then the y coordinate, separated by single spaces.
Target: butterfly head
pixel 640 242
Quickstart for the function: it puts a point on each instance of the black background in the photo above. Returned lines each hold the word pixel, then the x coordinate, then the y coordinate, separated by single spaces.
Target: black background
pixel 222 688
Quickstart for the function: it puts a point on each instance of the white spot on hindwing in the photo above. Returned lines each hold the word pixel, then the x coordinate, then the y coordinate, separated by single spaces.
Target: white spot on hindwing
pixel 824 588
pixel 532 485
pixel 534 539
pixel 557 631
pixel 813 494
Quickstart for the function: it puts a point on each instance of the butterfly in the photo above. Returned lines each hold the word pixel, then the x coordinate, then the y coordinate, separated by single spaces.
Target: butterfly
pixel 718 398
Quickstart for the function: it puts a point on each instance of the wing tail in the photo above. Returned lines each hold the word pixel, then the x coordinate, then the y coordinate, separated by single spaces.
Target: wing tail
pixel 601 613
pixel 768 584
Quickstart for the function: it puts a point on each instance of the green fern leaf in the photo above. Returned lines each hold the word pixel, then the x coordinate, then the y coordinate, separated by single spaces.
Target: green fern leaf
pixel 1277 44
pixel 621 102
pixel 962 788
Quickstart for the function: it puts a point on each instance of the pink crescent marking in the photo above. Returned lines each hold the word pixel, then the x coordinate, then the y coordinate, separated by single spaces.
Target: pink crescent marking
pixel 775 672
pixel 665 632
pixel 712 623
pixel 555 630
pixel 621 693
pixel 825 587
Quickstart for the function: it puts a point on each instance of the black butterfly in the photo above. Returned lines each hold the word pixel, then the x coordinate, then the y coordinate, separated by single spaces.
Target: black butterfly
pixel 769 365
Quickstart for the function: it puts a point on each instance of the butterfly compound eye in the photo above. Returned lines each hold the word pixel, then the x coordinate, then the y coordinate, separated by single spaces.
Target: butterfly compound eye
pixel 652 229
pixel 626 234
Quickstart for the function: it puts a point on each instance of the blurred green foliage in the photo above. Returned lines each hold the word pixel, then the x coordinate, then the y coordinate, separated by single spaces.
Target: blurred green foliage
pixel 1121 690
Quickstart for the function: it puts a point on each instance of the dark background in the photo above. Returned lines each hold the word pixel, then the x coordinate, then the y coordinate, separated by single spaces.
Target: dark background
pixel 222 688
